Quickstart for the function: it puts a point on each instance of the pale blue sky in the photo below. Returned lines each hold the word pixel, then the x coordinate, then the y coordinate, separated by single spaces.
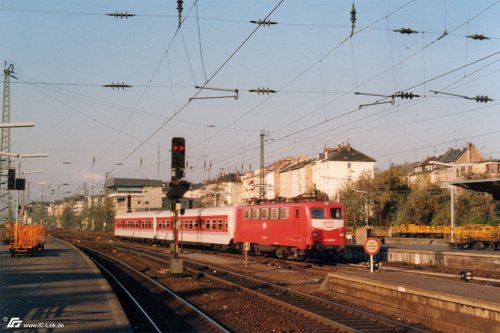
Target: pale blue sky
pixel 63 51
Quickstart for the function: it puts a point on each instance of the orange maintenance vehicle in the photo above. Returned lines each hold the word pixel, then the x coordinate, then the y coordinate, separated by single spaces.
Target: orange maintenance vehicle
pixel 27 238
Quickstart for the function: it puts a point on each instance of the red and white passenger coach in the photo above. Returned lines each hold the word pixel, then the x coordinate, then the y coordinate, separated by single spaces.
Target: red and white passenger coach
pixel 306 229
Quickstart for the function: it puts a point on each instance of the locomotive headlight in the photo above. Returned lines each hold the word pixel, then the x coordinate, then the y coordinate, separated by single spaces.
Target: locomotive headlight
pixel 342 234
pixel 315 234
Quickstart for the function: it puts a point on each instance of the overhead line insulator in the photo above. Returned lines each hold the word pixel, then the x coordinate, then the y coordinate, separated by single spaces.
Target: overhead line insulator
pixel 407 31
pixel 477 37
pixel 482 99
pixel 353 19
pixel 263 91
pixel 179 11
pixel 264 22
pixel 478 98
pixel 117 86
pixel 121 15
pixel 406 95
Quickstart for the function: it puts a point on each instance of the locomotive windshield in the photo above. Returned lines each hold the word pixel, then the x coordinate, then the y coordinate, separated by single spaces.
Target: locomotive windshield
pixel 319 213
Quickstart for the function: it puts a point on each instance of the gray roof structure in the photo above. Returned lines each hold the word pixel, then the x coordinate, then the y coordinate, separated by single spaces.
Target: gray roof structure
pixel 115 183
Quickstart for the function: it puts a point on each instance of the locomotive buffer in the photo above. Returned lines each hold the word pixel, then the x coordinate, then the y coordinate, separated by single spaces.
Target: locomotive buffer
pixel 177 189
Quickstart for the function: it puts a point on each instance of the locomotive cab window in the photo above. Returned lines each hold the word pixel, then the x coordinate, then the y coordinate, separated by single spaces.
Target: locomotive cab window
pixel 317 213
pixel 336 213
pixel 247 214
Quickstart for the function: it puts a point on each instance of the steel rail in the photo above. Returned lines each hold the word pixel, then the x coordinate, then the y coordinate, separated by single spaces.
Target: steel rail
pixel 186 303
pixel 151 321
pixel 374 317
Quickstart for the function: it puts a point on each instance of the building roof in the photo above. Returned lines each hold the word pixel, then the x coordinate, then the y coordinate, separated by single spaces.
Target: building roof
pixel 452 155
pixel 130 182
pixel 348 154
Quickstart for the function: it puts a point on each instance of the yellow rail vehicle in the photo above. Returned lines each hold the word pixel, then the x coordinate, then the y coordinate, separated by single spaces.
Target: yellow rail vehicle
pixel 26 239
pixel 475 235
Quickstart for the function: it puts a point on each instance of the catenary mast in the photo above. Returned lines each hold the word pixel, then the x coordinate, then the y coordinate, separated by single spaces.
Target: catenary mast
pixel 5 202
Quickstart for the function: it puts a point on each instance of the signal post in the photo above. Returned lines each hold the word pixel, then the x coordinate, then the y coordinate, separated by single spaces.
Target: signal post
pixel 177 189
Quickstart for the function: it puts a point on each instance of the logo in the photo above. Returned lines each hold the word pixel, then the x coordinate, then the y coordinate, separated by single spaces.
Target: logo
pixel 14 322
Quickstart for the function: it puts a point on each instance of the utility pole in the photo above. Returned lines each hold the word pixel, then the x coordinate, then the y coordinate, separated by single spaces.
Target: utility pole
pixel 5 202
pixel 262 189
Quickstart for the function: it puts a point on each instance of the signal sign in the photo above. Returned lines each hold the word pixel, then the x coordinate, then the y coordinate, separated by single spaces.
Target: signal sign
pixel 178 153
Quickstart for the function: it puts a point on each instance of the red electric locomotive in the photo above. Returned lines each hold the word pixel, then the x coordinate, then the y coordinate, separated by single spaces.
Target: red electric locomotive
pixel 307 229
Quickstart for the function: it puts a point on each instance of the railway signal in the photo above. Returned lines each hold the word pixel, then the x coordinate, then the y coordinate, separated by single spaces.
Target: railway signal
pixel 178 158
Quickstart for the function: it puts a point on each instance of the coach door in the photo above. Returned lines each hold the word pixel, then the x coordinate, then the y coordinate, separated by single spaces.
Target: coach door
pixel 297 220
pixel 198 226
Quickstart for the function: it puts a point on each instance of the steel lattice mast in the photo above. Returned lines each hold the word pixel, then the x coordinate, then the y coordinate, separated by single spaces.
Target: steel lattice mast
pixel 5 202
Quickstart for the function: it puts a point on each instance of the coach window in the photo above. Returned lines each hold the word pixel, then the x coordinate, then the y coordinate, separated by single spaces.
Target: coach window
pixel 336 213
pixel 255 213
pixel 247 214
pixel 264 212
pixel 220 224
pixel 317 213
pixel 274 213
pixel 284 213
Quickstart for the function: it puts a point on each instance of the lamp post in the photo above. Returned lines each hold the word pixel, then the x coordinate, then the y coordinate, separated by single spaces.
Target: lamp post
pixel 23 204
pixel 452 194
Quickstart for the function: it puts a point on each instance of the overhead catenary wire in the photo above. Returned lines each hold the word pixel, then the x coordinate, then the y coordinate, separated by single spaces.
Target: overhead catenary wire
pixel 287 136
pixel 143 93
pixel 221 124
pixel 182 108
pixel 308 68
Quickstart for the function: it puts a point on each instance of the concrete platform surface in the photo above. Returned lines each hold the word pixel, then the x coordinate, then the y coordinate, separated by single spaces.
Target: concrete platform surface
pixel 458 288
pixel 57 290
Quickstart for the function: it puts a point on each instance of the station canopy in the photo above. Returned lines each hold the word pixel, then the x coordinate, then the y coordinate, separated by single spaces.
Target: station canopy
pixel 491 185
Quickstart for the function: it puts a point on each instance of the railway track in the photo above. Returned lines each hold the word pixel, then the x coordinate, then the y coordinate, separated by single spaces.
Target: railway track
pixel 156 308
pixel 321 314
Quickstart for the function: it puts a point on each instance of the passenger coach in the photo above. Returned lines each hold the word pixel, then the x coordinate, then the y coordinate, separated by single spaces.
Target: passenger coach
pixel 302 230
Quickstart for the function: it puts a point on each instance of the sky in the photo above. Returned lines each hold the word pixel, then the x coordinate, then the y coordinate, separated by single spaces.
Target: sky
pixel 321 69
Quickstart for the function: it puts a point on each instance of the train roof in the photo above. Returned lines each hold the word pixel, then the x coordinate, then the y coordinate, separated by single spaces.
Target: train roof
pixel 188 212
pixel 295 204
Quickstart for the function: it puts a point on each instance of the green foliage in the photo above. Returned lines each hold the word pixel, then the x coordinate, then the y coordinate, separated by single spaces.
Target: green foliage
pixel 390 201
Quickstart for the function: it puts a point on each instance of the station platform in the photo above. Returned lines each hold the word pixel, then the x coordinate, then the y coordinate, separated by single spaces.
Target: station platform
pixel 59 289
pixel 451 306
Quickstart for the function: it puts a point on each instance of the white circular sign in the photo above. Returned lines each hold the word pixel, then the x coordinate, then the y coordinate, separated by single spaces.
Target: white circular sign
pixel 372 246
